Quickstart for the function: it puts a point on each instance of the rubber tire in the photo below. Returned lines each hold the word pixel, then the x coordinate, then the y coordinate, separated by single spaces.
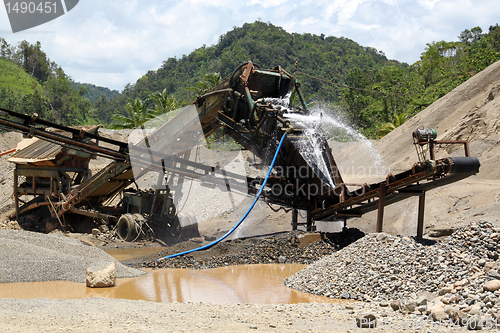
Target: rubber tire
pixel 126 228
pixel 232 83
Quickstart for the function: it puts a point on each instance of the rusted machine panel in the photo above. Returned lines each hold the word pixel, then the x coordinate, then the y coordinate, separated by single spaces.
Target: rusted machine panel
pixel 46 169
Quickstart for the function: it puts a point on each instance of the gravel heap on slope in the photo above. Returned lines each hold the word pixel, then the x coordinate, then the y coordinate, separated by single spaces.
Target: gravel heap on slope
pixel 28 257
pixel 255 250
pixel 381 267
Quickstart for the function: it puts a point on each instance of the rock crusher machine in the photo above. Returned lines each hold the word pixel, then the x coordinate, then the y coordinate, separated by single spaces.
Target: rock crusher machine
pixel 248 104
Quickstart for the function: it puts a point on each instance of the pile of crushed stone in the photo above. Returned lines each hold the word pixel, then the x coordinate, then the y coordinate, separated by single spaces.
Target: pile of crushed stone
pixel 279 248
pixel 30 257
pixel 462 272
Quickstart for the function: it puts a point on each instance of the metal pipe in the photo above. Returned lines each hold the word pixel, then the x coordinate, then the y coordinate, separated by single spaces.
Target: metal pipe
pixel 302 101
pixel 215 92
pixel 76 132
pixel 10 151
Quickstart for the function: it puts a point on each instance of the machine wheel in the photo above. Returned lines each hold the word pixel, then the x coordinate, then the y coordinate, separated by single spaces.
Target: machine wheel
pixel 232 82
pixel 127 228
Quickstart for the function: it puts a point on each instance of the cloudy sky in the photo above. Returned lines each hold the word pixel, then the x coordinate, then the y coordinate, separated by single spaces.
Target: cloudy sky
pixel 113 42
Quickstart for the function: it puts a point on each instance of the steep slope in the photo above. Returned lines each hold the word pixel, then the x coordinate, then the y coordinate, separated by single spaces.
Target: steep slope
pixel 15 78
pixel 469 112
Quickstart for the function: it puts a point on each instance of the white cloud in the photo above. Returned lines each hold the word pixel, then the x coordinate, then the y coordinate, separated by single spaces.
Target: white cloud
pixel 428 4
pixel 115 42
pixel 268 3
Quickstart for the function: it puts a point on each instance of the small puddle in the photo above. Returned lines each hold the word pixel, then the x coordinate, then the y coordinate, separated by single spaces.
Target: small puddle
pixel 232 284
pixel 133 253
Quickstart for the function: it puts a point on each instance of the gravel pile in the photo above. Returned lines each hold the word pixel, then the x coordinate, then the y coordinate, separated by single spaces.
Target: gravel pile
pixel 29 257
pixel 458 277
pixel 279 248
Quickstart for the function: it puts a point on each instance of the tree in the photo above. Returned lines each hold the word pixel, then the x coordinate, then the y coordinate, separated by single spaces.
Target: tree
pixel 138 114
pixel 469 37
pixel 206 82
pixel 356 101
pixel 34 61
pixel 6 50
pixel 494 37
pixel 65 104
pixel 430 63
pixel 163 103
pixel 453 52
pixel 399 119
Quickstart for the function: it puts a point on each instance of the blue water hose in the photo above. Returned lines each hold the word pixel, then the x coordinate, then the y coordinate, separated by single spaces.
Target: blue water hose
pixel 204 247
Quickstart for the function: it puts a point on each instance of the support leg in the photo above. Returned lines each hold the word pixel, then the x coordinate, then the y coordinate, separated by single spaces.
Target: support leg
pixel 421 210
pixel 16 194
pixel 309 221
pixel 381 204
pixel 295 214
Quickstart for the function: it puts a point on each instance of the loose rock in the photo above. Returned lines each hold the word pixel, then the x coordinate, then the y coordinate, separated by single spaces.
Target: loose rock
pixel 461 271
pixel 366 321
pixel 103 278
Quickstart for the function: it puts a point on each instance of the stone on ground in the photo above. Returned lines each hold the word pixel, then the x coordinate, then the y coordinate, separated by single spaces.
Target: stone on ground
pixel 102 279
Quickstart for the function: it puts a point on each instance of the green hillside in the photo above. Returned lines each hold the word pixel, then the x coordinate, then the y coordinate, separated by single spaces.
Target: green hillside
pixel 369 90
pixel 384 98
pixel 93 92
pixel 13 77
pixel 31 83
pixel 329 58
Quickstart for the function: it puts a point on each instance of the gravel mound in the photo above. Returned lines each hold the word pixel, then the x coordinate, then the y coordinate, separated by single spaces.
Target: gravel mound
pixel 278 248
pixel 29 257
pixel 381 267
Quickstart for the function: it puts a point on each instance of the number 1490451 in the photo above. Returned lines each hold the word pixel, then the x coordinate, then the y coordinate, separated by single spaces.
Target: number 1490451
pixel 31 7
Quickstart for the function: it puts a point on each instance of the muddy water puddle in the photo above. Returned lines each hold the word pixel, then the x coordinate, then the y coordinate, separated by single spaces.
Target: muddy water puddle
pixel 133 253
pixel 232 284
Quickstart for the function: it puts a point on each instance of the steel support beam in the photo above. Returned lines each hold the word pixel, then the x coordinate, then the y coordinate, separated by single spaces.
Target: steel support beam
pixel 421 211
pixel 381 204
pixel 295 214
pixel 309 221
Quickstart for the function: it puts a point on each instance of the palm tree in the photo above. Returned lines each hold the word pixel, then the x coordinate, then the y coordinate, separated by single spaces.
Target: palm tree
pixel 206 82
pixel 163 103
pixel 399 119
pixel 138 114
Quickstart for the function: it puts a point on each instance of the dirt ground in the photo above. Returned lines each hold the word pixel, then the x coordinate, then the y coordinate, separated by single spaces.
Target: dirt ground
pixel 105 315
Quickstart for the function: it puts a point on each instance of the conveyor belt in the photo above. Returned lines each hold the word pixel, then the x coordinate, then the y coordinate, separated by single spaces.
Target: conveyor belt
pixel 463 167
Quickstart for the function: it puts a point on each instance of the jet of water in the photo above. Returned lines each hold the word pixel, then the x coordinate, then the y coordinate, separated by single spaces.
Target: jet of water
pixel 322 123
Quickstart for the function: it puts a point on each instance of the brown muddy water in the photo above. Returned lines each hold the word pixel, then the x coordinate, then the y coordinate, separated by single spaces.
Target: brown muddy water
pixel 133 253
pixel 232 284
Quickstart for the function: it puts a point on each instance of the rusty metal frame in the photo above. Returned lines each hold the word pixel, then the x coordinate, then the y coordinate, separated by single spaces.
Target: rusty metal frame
pixel 432 143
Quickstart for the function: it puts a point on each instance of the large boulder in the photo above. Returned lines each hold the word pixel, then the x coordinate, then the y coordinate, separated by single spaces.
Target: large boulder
pixel 437 312
pixel 103 278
